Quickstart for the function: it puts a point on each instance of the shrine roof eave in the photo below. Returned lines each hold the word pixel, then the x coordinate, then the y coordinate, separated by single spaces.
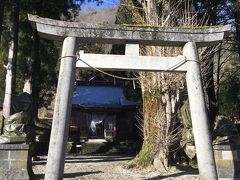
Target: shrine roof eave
pixel 116 34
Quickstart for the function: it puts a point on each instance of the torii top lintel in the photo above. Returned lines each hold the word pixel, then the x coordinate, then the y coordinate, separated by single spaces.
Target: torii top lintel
pixel 115 34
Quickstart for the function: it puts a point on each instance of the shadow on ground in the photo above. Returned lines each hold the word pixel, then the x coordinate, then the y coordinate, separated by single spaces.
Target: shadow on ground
pixel 68 175
pixel 184 171
pixel 86 159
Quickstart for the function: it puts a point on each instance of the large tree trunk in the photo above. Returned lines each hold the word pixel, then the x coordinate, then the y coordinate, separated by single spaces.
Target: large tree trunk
pixel 236 14
pixel 166 82
pixel 31 81
pixel 15 28
pixel 36 71
pixel 210 88
pixel 28 80
pixel 238 34
pixel 161 90
pixel 12 62
pixel 207 66
pixel 8 86
pixel 33 67
pixel 2 3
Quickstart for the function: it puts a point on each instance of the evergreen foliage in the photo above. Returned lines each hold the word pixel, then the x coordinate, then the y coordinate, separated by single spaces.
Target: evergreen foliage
pixel 48 50
pixel 230 91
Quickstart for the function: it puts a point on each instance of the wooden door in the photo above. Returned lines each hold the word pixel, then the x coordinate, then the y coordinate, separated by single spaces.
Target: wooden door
pixel 110 127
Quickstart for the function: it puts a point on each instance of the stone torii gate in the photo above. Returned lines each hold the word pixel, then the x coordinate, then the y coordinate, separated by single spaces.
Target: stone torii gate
pixel 189 39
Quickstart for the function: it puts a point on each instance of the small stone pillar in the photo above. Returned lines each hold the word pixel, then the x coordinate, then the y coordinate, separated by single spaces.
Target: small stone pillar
pixel 62 111
pixel 15 161
pixel 199 116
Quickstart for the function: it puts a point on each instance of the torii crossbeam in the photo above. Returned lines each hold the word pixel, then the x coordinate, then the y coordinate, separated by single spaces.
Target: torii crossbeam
pixel 187 38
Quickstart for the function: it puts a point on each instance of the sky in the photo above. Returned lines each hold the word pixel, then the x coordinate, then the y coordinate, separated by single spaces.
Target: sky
pixel 105 4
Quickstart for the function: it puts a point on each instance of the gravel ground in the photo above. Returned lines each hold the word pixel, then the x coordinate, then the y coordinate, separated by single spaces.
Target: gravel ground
pixel 109 168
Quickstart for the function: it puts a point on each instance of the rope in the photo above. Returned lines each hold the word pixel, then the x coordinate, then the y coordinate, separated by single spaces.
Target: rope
pixel 101 71
pixel 193 60
pixel 106 73
pixel 62 57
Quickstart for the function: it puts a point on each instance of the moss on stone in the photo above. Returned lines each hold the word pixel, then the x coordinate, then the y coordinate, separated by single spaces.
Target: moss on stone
pixel 182 27
pixel 69 147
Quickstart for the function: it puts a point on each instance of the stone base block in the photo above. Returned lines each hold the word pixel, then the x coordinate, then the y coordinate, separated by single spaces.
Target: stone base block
pixel 227 159
pixel 15 162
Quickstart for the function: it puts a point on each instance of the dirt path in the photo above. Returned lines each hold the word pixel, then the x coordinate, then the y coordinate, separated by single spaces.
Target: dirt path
pixel 107 168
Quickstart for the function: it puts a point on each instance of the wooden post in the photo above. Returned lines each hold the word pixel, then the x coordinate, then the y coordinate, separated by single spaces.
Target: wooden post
pixel 200 122
pixel 62 111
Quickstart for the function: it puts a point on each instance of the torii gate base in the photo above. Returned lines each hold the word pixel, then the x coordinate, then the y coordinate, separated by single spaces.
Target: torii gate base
pixel 56 30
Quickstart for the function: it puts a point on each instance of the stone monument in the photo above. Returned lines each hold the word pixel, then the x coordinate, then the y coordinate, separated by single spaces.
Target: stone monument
pixel 15 153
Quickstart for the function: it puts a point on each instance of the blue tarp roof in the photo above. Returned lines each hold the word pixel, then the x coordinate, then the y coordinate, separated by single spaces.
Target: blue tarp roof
pixel 100 96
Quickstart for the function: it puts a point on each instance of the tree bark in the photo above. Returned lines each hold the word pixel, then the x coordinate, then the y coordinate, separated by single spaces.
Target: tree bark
pixel 151 12
pixel 12 62
pixel 160 92
pixel 28 80
pixel 15 29
pixel 238 35
pixel 208 73
pixel 2 3
pixel 8 86
pixel 210 88
pixel 237 21
pixel 31 86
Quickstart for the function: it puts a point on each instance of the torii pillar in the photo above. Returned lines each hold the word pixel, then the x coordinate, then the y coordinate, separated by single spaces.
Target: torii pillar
pixel 187 38
pixel 199 115
pixel 62 111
